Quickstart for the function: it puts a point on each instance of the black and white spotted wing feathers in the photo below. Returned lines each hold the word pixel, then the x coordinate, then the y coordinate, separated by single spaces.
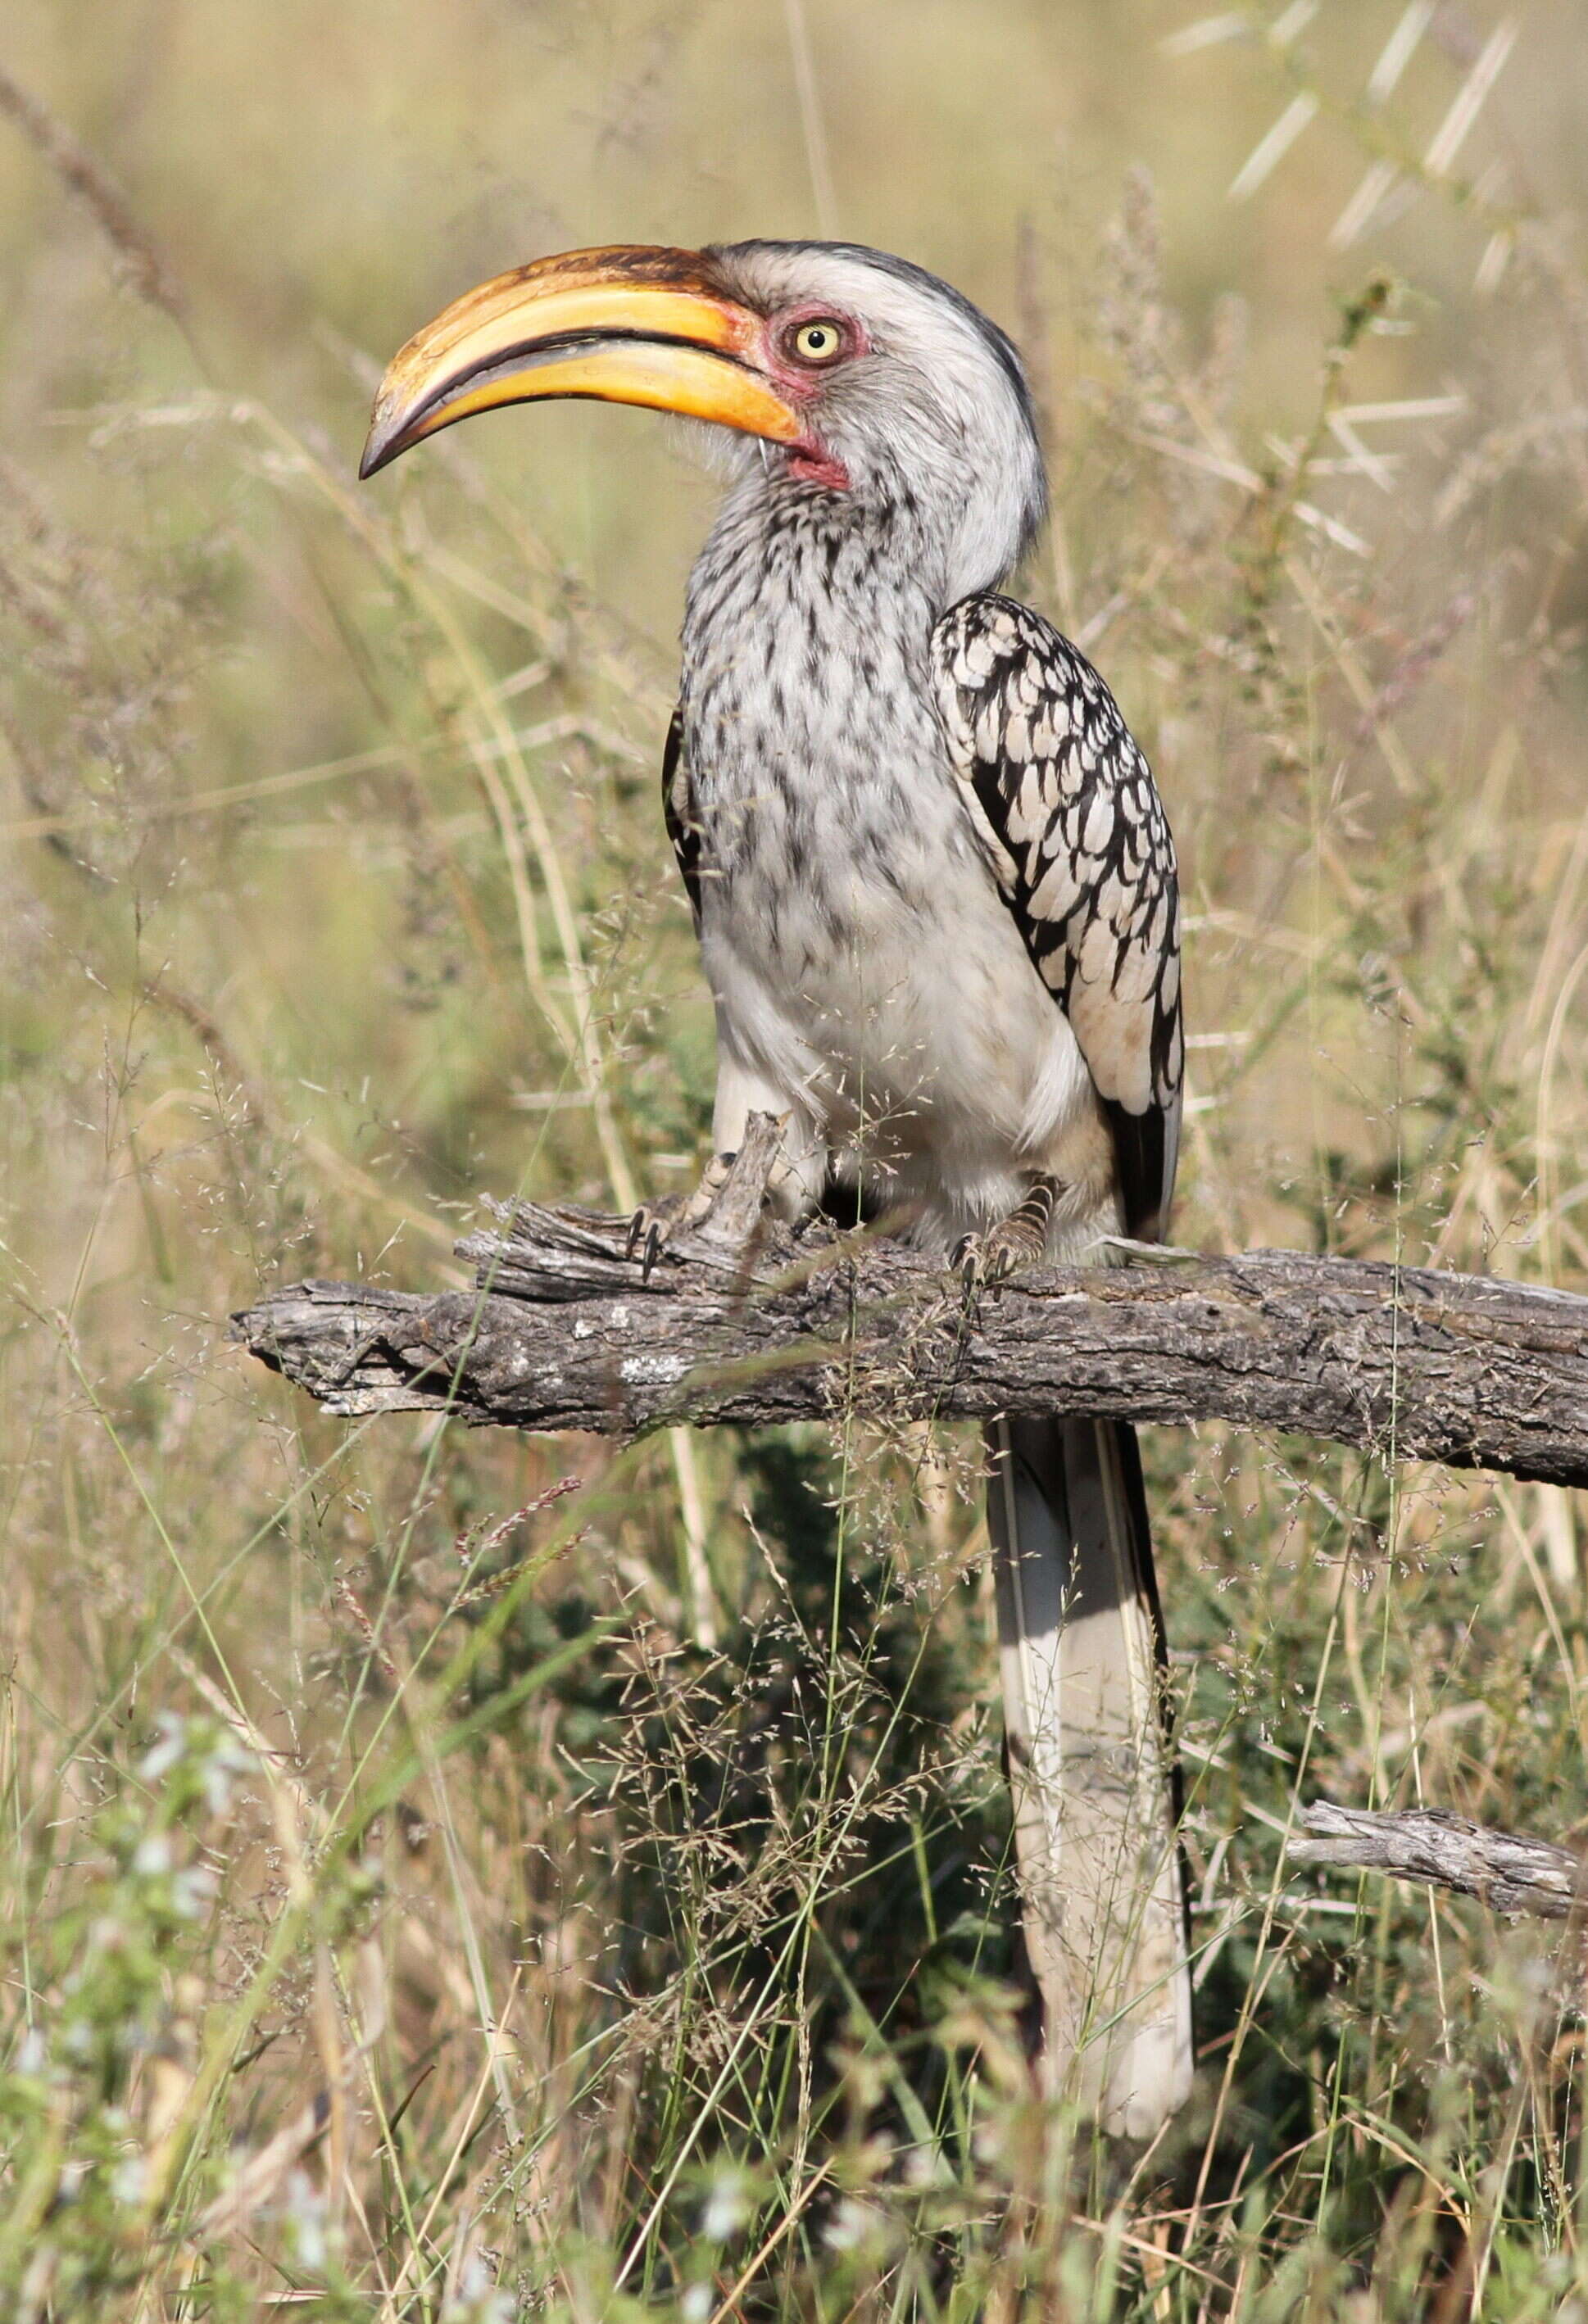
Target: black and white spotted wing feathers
pixel 1064 806
pixel 678 807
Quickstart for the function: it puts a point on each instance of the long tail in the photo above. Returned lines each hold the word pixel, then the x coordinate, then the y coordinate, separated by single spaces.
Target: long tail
pixel 1080 1641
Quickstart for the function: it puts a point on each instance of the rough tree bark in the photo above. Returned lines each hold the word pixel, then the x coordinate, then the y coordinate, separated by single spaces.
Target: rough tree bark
pixel 745 1322
pixel 1511 1873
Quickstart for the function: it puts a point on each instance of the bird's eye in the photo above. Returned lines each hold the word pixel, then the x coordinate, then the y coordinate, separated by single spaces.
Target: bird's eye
pixel 818 341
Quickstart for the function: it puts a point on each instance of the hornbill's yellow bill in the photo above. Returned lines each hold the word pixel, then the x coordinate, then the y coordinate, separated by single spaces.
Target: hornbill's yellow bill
pixel 625 325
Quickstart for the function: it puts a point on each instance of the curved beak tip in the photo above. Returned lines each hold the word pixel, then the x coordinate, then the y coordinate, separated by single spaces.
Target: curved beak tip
pixel 380 445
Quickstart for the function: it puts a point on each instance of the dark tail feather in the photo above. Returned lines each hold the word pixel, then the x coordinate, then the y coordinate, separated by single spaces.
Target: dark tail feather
pixel 1081 1646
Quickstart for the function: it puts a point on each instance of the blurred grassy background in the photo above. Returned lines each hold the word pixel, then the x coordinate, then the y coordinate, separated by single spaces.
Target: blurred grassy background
pixel 395 1946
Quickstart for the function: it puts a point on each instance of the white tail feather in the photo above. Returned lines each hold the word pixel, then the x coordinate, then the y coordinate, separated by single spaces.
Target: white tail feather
pixel 1090 1767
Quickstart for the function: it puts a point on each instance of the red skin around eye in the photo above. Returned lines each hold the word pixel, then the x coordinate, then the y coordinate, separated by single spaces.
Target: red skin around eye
pixel 802 384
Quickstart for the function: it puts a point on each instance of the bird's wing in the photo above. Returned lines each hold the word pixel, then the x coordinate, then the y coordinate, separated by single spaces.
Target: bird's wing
pixel 678 807
pixel 1065 808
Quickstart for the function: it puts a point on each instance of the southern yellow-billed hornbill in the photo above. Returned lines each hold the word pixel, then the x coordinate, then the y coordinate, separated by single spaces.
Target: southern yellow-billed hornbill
pixel 936 904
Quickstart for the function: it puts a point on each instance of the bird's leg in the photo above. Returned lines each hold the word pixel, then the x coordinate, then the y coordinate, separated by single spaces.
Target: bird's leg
pixel 656 1223
pixel 1019 1241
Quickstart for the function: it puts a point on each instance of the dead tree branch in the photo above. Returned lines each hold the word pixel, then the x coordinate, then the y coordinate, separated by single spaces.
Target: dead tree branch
pixel 747 1323
pixel 1512 1874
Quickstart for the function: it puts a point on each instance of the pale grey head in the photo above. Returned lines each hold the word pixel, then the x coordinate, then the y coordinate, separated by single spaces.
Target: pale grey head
pixel 914 396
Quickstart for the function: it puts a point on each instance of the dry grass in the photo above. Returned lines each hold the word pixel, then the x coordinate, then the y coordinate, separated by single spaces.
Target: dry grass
pixel 408 1910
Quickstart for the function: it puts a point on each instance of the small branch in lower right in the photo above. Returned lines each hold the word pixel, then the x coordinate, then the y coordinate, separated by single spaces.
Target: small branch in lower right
pixel 1509 1872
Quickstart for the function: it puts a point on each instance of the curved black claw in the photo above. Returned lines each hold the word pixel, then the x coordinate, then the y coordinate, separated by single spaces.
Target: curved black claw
pixel 648 1233
pixel 654 1225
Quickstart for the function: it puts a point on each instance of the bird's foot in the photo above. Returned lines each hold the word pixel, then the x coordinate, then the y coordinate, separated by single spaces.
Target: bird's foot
pixel 723 1209
pixel 981 1262
pixel 656 1224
